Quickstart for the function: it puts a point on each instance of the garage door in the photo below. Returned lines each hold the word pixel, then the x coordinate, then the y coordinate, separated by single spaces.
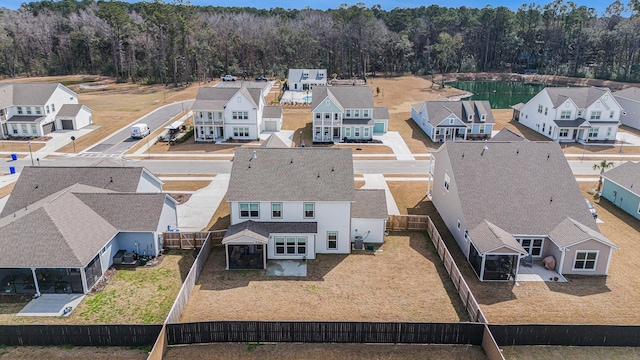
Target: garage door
pixel 67 124
pixel 378 128
pixel 271 125
pixel 47 128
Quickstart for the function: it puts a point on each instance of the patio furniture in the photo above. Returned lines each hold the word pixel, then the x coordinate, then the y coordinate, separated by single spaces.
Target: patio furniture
pixel 549 262
pixel 528 261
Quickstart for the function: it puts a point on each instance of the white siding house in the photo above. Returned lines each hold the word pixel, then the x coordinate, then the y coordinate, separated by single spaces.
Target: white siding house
pixel 30 109
pixel 454 120
pixel 306 79
pixel 629 99
pixel 572 114
pixel 294 204
pixel 346 113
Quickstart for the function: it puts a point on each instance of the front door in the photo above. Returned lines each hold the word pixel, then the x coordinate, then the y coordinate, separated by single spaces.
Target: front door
pixel 336 132
pixel 575 133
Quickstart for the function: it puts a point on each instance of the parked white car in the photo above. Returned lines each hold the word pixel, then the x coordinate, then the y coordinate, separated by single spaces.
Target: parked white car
pixel 229 78
pixel 138 131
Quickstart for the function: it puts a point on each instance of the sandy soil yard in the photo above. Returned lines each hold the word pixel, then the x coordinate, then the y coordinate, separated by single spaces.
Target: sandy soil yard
pixel 71 352
pixel 403 281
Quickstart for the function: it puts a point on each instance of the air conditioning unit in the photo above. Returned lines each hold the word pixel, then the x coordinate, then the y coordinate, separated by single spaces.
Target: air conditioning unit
pixel 358 243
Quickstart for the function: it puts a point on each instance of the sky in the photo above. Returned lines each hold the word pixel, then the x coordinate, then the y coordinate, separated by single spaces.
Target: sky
pixel 599 5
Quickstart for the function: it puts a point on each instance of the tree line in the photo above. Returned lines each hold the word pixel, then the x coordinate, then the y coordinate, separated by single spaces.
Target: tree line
pixel 177 43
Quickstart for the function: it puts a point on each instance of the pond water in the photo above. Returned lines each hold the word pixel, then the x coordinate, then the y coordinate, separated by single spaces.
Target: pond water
pixel 501 94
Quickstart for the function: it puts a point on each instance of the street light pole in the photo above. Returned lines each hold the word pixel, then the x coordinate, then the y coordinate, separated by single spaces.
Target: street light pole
pixel 30 153
pixel 301 145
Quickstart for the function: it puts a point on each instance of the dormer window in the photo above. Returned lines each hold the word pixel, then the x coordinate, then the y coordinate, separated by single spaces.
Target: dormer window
pixel 470 117
pixel 320 75
pixel 483 117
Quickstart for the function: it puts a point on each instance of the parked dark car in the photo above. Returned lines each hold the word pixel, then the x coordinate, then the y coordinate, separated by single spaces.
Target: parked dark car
pixel 262 78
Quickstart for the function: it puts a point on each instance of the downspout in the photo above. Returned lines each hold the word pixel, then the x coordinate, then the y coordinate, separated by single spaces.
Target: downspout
pixel 561 265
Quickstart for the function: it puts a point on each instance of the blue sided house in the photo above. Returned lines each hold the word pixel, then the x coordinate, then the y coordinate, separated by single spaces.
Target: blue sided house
pixel 621 186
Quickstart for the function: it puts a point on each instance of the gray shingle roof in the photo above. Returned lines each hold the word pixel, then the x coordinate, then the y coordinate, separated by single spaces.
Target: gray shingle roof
pixel 507 134
pixel 26 118
pixel 488 237
pixel 273 141
pixel 380 113
pixel 583 97
pixel 38 182
pixel 626 175
pixel 631 93
pixel 69 110
pixel 370 204
pixel 238 84
pixel 127 212
pixel 570 232
pixel 440 110
pixel 215 98
pixel 297 75
pixel 298 174
pixel 28 93
pixel 579 122
pixel 348 97
pixel 260 230
pixel 272 112
pixel 524 187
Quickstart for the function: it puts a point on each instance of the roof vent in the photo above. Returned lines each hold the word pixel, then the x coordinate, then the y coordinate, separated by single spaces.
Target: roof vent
pixel 548 156
pixel 551 200
pixel 318 176
pixel 517 151
pixel 111 179
pixel 291 161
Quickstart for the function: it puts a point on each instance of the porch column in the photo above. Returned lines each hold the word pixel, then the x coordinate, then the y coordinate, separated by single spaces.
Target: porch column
pixel 226 255
pixel 35 282
pixel 517 269
pixel 264 256
pixel 466 132
pixel 482 269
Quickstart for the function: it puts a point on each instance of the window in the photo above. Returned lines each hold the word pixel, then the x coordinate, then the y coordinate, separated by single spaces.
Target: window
pixel 53 107
pixel 239 99
pixel 483 117
pixel 366 132
pixel 38 111
pixel 332 240
pixel 611 114
pixel 470 117
pixel 309 210
pixel 327 116
pixel 234 115
pixel 279 246
pixel 335 116
pixel 347 113
pixel 302 245
pixel 564 132
pixel 540 109
pixel 24 129
pixel 550 130
pixel 451 121
pixel 356 132
pixel 609 131
pixel 565 114
pixel 356 113
pixel 543 126
pixel 14 129
pixel 365 113
pixel 210 115
pixel 249 210
pixel 447 181
pixel 469 129
pixel 241 131
pixel 533 246
pixel 318 117
pixel 34 129
pixel 19 110
pixel 291 245
pixel 47 109
pixel 546 110
pixel 595 115
pixel 276 210
pixel 593 132
pixel 458 225
pixel 347 132
pixel 482 128
pixel 585 260
pixel 28 110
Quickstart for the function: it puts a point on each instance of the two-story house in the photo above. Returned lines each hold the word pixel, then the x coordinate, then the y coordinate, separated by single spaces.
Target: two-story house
pixel 629 99
pixel 348 112
pixel 294 203
pixel 504 201
pixel 31 109
pixel 233 113
pixel 454 120
pixel 572 114
pixel 306 79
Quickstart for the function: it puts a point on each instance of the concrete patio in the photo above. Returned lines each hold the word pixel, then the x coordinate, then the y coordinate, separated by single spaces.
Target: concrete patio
pixel 287 268
pixel 537 272
pixel 52 305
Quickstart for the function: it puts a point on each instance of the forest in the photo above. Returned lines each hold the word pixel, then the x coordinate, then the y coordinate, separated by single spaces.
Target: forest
pixel 177 43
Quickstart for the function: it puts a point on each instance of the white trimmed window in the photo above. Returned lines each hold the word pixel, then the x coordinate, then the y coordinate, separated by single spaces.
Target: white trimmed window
pixel 347 132
pixel 276 210
pixel 609 131
pixel 38 111
pixel 347 113
pixel 356 113
pixel 593 132
pixel 19 110
pixel 565 114
pixel 546 110
pixel 595 115
pixel 24 129
pixel 34 129
pixel 53 107
pixel 47 107
pixel 611 114
pixel 585 260
pixel 309 210
pixel 482 129
pixel 356 132
pixel 469 128
pixel 540 109
pixel 451 121
pixel 332 239
pixel 365 113
pixel 543 126
pixel 533 246
pixel 210 115
pixel 424 122
pixel 241 131
pixel 291 245
pixel 447 181
pixel 14 129
pixel 366 132
pixel 249 210
pixel 28 110
pixel 564 132
pixel 318 116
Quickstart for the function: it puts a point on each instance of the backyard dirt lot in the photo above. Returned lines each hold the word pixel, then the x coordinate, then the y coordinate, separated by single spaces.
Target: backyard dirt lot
pixel 324 351
pixel 570 352
pixel 590 300
pixel 71 352
pixel 403 281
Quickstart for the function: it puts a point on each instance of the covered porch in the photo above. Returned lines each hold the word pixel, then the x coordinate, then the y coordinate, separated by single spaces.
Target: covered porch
pixel 209 133
pixel 573 130
pixel 450 133
pixel 494 254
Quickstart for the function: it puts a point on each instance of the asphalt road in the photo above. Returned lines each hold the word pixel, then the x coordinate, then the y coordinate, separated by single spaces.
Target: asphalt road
pixel 224 166
pixel 121 141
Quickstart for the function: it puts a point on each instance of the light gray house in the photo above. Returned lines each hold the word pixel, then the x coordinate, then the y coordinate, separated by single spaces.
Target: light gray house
pixel 306 79
pixel 295 203
pixel 31 109
pixel 58 235
pixel 621 186
pixel 505 200
pixel 454 120
pixel 629 99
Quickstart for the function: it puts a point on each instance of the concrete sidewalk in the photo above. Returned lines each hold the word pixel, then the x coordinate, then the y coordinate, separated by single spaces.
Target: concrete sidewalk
pixel 377 181
pixel 393 140
pixel 195 214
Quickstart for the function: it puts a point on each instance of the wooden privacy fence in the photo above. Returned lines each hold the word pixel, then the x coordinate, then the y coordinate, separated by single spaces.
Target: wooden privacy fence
pixel 467 297
pixel 325 332
pixel 190 240
pixel 566 335
pixel 407 222
pixel 79 335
